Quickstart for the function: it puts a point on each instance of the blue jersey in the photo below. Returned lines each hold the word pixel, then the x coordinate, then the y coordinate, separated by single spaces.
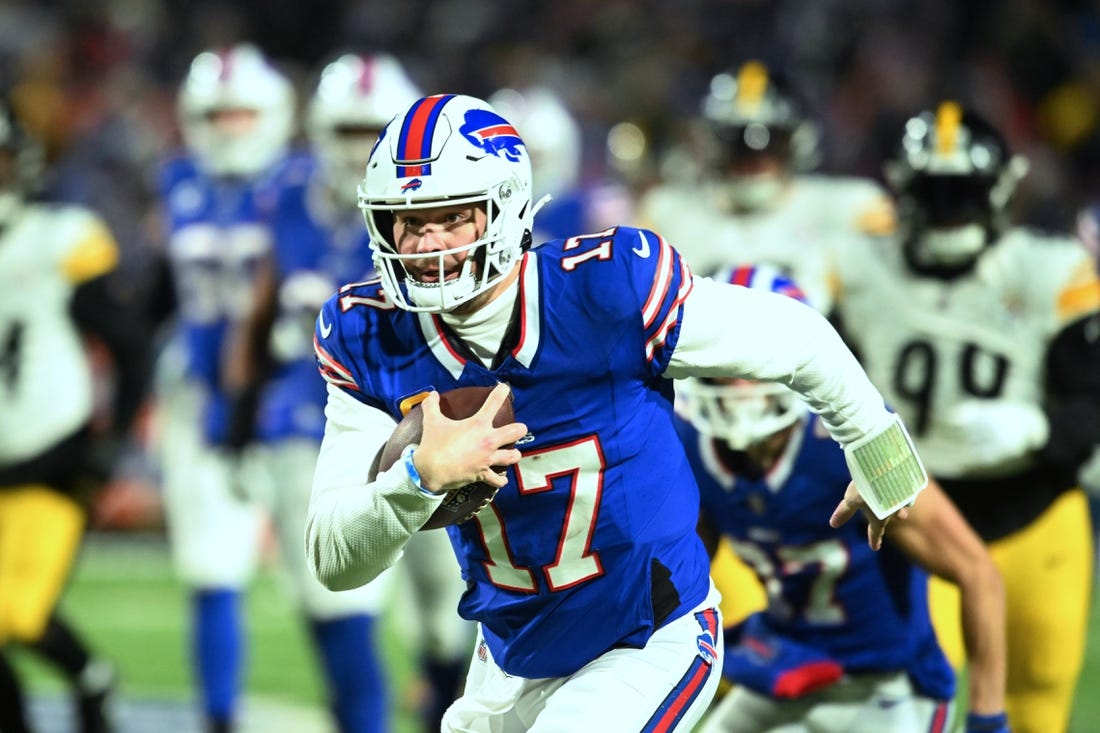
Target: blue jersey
pixel 217 234
pixel 592 543
pixel 316 250
pixel 828 592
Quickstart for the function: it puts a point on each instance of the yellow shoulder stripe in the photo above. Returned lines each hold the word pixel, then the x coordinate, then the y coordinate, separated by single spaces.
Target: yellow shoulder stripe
pixel 878 219
pixel 1081 296
pixel 96 254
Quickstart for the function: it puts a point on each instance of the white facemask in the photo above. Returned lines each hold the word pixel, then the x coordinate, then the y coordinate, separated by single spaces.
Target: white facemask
pixel 739 414
pixel 752 193
pixel 951 247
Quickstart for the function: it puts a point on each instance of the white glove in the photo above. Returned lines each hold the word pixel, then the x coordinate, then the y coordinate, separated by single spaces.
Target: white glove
pixel 988 433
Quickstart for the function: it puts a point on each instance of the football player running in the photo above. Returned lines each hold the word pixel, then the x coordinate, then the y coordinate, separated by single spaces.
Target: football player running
pixel 54 264
pixel 846 642
pixel 756 200
pixel 586 576
pixel 237 115
pixel 279 397
pixel 979 334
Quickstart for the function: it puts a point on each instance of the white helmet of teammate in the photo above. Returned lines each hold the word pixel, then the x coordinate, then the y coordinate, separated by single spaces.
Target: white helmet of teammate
pixel 236 111
pixel 446 150
pixel 355 97
pixel 552 135
pixel 23 171
pixel 760 134
pixel 742 412
pixel 953 175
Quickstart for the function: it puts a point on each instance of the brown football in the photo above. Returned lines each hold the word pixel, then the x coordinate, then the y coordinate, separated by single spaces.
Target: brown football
pixel 460 504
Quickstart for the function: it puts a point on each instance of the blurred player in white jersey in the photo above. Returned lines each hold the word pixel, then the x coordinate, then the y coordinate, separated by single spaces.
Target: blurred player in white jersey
pixel 237 115
pixel 54 261
pixel 279 397
pixel 756 201
pixel 979 334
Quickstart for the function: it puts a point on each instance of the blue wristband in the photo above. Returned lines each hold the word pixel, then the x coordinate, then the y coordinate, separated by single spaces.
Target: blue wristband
pixel 987 723
pixel 410 468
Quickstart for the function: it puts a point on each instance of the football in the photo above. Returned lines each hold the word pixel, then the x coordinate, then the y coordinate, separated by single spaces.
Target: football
pixel 463 503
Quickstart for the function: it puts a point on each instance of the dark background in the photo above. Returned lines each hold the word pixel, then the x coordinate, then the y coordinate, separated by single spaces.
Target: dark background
pixel 98 77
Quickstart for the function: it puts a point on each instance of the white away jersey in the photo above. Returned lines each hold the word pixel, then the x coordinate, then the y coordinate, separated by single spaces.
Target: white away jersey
pixel 45 377
pixel 929 344
pixel 815 215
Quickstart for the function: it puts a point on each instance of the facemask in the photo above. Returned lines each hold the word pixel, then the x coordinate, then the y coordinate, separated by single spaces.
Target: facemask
pixel 752 193
pixel 951 247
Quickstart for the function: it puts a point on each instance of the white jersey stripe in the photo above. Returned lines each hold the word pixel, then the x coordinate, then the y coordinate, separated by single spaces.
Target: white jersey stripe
pixel 661 334
pixel 661 281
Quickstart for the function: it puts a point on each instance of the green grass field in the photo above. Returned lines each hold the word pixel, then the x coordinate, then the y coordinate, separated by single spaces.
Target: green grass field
pixel 128 604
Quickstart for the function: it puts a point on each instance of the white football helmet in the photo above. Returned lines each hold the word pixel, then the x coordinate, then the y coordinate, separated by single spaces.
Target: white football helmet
pixel 743 412
pixel 552 135
pixel 355 97
pixel 238 79
pixel 445 150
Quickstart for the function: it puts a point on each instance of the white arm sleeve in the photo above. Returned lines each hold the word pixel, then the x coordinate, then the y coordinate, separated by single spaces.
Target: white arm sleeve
pixel 731 331
pixel 355 529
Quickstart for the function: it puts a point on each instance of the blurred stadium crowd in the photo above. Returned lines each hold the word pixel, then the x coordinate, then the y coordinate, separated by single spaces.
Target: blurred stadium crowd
pixel 98 79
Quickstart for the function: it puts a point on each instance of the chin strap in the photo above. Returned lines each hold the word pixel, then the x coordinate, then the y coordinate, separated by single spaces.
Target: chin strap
pixel 540 203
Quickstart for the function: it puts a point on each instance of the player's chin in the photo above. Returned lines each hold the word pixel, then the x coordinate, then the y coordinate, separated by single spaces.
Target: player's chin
pixel 432 277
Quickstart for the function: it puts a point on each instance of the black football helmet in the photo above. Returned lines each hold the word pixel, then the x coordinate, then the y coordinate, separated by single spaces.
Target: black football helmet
pixel 759 133
pixel 953 175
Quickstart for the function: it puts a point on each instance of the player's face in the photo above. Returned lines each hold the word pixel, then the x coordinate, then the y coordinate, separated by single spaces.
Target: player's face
pixel 760 164
pixel 234 122
pixel 435 230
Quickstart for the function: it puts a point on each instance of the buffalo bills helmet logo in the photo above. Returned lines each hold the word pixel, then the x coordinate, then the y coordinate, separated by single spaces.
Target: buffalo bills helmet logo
pixel 492 133
pixel 412 185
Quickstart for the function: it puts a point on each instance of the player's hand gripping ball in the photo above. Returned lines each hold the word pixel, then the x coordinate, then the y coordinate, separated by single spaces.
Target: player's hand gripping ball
pixel 463 503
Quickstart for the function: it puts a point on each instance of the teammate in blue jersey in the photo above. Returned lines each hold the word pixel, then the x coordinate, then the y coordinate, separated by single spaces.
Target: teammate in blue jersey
pixel 846 643
pixel 236 114
pixel 279 398
pixel 587 579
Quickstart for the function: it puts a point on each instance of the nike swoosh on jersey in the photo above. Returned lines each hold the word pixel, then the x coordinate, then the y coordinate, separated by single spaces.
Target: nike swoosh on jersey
pixel 642 251
pixel 326 328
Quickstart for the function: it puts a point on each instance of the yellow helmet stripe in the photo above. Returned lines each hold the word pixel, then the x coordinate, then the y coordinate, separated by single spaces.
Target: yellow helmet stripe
pixel 752 83
pixel 948 121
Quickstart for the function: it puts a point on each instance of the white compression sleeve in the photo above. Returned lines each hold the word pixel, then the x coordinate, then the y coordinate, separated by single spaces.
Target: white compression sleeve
pixel 355 529
pixel 731 331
